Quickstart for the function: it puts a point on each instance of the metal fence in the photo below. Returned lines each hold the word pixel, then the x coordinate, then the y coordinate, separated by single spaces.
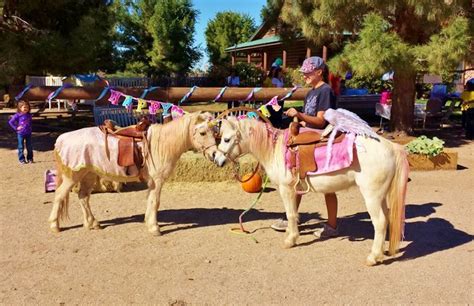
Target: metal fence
pixel 122 116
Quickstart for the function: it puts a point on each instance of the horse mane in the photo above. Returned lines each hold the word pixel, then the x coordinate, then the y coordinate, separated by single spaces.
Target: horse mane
pixel 168 141
pixel 261 142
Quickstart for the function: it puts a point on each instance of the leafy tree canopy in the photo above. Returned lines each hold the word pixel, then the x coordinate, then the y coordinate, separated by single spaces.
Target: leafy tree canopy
pixel 54 36
pixel 404 35
pixel 225 30
pixel 157 36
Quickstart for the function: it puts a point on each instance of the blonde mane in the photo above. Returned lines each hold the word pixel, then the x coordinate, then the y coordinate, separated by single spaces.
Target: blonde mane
pixel 169 141
pixel 265 142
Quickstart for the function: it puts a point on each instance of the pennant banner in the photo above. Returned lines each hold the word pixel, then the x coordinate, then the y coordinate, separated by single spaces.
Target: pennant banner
pixel 141 104
pixel 114 96
pixel 166 108
pixel 176 112
pixel 154 106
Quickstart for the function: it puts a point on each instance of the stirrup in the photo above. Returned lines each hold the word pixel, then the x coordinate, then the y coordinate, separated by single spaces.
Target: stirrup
pixel 295 187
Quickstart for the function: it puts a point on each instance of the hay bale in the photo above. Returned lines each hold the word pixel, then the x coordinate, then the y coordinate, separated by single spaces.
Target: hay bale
pixel 193 167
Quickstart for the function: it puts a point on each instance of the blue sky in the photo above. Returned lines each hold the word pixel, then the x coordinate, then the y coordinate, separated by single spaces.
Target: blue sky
pixel 208 10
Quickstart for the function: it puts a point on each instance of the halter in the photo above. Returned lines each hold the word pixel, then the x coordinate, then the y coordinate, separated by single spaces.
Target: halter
pixel 203 148
pixel 235 162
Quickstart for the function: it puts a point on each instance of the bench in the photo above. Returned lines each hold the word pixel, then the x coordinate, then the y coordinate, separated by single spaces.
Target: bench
pixel 122 116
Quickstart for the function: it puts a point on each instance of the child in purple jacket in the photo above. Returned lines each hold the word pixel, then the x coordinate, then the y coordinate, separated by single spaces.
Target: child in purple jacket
pixel 21 122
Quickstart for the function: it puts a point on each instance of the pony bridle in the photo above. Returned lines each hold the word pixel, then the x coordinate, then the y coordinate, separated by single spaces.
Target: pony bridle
pixel 235 162
pixel 203 148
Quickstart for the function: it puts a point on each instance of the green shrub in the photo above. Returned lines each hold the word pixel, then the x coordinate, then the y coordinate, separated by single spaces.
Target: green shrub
pixel 294 77
pixel 424 145
pixel 249 74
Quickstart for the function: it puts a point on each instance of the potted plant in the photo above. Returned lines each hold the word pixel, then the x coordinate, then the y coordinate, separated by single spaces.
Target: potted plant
pixel 429 154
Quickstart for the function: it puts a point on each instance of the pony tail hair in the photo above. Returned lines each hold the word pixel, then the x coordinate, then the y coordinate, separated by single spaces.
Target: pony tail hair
pixel 396 199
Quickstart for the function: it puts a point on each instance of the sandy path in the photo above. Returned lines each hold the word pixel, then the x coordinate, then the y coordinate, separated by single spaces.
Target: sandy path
pixel 199 261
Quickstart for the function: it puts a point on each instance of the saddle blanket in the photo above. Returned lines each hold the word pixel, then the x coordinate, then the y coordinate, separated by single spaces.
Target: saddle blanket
pixel 85 148
pixel 341 157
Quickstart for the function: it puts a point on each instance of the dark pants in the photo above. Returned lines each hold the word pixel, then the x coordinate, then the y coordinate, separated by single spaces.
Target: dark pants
pixel 233 104
pixel 22 140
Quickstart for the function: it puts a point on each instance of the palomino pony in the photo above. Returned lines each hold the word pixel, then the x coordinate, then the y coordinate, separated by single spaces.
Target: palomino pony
pixel 80 158
pixel 379 169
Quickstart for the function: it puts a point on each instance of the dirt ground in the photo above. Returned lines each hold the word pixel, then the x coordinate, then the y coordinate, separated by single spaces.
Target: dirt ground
pixel 199 261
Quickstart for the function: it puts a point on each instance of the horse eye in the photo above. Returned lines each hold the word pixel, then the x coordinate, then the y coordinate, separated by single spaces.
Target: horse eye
pixel 226 140
pixel 203 133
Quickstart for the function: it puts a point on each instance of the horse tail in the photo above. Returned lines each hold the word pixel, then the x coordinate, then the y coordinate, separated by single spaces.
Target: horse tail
pixel 396 199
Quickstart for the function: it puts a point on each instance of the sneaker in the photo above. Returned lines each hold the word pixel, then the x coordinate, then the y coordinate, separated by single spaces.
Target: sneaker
pixel 326 232
pixel 23 162
pixel 30 161
pixel 280 225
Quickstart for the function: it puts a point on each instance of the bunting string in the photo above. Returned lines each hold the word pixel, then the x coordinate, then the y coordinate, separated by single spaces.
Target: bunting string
pixel 186 96
pixel 23 92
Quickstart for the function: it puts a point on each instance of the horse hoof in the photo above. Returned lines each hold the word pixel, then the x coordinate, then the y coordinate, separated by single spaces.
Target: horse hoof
pixel 54 229
pixel 372 261
pixel 155 231
pixel 97 227
pixel 288 245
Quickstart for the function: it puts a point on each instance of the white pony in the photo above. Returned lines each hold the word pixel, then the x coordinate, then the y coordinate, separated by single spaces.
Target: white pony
pixel 166 144
pixel 379 169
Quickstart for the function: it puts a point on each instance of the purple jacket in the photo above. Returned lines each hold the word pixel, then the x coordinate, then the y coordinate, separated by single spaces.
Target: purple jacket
pixel 24 121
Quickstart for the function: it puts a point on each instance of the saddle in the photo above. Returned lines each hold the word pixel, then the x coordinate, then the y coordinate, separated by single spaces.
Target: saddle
pixel 302 146
pixel 129 153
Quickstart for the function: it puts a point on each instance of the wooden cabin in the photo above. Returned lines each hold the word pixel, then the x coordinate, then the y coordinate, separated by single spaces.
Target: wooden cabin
pixel 265 46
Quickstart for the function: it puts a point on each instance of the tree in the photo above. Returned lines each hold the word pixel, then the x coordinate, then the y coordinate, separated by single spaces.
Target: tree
pixel 157 36
pixel 54 36
pixel 225 30
pixel 404 35
pixel 172 29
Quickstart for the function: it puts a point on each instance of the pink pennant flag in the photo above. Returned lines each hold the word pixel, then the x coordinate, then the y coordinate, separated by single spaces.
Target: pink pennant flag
pixel 114 97
pixel 274 103
pixel 176 112
pixel 154 107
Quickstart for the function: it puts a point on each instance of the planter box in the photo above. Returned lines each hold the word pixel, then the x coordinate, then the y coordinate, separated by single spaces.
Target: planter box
pixel 443 161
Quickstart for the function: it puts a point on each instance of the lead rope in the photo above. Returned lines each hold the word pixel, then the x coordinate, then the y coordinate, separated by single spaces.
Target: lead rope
pixel 241 230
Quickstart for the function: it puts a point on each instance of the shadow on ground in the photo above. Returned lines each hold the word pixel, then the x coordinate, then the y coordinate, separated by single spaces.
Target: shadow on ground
pixel 424 237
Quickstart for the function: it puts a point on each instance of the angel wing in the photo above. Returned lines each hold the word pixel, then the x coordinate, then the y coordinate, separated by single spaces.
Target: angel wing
pixel 348 122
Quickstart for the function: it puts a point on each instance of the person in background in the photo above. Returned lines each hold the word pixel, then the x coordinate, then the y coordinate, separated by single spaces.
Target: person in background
pixel 319 99
pixel 21 122
pixel 233 80
pixel 467 108
pixel 275 79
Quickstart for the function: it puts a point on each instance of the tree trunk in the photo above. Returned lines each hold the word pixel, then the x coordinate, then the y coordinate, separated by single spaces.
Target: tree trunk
pixel 403 101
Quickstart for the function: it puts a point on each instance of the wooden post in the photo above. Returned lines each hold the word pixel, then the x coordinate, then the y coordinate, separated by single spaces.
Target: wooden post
pixel 308 52
pixel 325 53
pixel 265 61
pixel 166 94
pixel 284 58
pixel 249 60
pixel 233 59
